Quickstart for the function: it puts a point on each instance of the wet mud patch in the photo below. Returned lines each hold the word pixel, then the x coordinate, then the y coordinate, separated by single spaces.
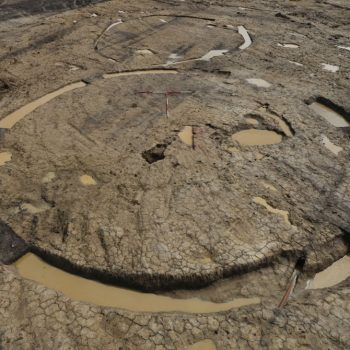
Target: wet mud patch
pixel 332 275
pixel 78 288
pixel 330 111
pixel 257 137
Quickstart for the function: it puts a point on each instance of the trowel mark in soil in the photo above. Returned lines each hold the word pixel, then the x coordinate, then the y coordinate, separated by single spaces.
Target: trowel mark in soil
pixel 334 114
pixel 87 180
pixel 78 288
pixel 263 202
pixel 256 137
pixel 9 121
pixel 206 344
pixel 5 157
pixel 332 275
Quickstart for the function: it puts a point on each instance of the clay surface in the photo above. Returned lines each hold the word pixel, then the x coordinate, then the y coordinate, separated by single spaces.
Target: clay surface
pixel 189 149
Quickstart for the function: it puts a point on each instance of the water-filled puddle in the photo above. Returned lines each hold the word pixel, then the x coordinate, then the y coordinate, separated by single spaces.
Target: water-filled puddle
pixel 206 344
pixel 252 121
pixel 283 125
pixel 330 145
pixel 139 72
pixel 258 82
pixel 212 53
pixel 246 37
pixel 329 114
pixel 9 121
pixel 255 137
pixel 289 46
pixel 5 157
pixel 330 67
pixel 332 275
pixel 78 288
pixel 87 180
pixel 186 135
pixel 263 202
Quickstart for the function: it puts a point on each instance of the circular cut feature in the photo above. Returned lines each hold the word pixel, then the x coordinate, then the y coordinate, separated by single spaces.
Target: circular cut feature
pixel 161 216
pixel 256 137
pixel 168 41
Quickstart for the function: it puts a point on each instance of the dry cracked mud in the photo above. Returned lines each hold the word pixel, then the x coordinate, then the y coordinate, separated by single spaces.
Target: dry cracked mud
pixel 195 150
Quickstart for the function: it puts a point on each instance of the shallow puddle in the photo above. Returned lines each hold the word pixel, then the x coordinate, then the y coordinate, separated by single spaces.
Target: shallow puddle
pixel 87 180
pixel 252 121
pixel 211 54
pixel 330 67
pixel 5 157
pixel 289 46
pixel 78 288
pixel 246 37
pixel 255 137
pixel 344 47
pixel 283 213
pixel 258 82
pixel 9 121
pixel 330 145
pixel 186 135
pixel 139 72
pixel 282 125
pixel 206 344
pixel 332 275
pixel 329 114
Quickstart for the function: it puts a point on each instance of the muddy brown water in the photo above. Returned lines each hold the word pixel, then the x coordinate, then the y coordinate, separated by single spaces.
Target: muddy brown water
pixel 330 115
pixel 139 72
pixel 186 135
pixel 87 180
pixel 263 202
pixel 5 157
pixel 330 145
pixel 332 275
pixel 9 121
pixel 82 289
pixel 255 137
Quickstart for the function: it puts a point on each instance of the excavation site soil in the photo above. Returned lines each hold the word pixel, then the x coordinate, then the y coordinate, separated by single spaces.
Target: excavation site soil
pixel 175 174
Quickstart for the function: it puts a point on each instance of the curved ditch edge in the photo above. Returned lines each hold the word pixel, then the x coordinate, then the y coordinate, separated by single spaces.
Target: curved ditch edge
pixel 152 282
